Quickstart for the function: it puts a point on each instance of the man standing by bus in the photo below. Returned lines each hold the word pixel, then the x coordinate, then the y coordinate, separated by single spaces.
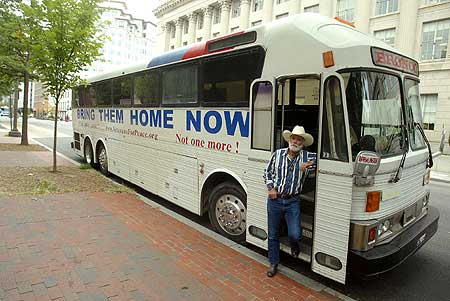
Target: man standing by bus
pixel 284 178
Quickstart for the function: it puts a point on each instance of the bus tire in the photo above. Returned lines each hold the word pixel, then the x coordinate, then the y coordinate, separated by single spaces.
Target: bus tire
pixel 102 156
pixel 89 153
pixel 227 210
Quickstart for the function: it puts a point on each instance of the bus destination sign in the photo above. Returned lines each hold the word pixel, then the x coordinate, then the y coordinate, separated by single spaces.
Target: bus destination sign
pixel 395 61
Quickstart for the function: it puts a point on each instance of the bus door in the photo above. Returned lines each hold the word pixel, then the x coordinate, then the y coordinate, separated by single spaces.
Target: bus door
pixel 334 182
pixel 261 137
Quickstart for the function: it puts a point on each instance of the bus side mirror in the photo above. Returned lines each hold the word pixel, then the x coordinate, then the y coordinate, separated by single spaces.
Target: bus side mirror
pixel 366 165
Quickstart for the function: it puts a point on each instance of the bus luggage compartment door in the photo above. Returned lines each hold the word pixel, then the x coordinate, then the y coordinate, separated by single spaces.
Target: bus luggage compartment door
pixel 334 183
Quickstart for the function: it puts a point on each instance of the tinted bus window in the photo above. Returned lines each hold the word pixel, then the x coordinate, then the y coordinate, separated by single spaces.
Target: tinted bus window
pixel 76 97
pixel 90 99
pixel 227 79
pixel 103 93
pixel 122 91
pixel 180 85
pixel 146 89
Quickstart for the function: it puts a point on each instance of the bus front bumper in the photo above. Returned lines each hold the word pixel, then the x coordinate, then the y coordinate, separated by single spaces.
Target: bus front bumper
pixel 386 257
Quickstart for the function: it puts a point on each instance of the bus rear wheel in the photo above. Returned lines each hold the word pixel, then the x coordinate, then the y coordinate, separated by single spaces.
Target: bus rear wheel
pixel 103 160
pixel 89 153
pixel 227 210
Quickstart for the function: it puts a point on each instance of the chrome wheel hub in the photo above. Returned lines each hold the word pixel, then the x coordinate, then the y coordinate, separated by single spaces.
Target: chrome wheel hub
pixel 102 159
pixel 231 214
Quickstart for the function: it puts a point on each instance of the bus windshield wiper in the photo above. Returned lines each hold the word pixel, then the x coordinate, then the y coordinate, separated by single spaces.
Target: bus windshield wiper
pixel 396 177
pixel 430 154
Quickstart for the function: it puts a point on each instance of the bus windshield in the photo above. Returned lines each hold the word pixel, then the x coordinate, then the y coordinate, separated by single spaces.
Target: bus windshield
pixel 414 113
pixel 374 112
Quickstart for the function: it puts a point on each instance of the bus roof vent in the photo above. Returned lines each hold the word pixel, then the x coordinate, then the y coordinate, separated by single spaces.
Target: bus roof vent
pixel 231 41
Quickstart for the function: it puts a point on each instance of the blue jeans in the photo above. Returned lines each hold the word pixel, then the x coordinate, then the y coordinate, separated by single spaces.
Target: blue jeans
pixel 290 209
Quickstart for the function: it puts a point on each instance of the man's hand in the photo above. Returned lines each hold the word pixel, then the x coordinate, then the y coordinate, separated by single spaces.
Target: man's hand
pixel 304 166
pixel 273 193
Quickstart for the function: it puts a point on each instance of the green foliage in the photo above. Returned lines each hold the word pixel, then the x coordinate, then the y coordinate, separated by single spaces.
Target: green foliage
pixel 70 39
pixel 44 187
pixel 85 166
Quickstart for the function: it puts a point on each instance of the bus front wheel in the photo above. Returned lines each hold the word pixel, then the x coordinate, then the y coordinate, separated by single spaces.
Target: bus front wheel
pixel 227 210
pixel 103 160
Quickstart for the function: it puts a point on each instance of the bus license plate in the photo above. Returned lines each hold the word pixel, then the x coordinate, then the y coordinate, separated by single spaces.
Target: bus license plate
pixel 409 215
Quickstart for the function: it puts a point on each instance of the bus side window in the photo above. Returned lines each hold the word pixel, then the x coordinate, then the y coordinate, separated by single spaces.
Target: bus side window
pixel 103 93
pixel 146 89
pixel 227 78
pixel 89 99
pixel 262 115
pixel 180 85
pixel 122 91
pixel 334 141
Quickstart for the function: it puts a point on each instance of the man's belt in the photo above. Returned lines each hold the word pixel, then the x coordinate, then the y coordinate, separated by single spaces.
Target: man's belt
pixel 287 196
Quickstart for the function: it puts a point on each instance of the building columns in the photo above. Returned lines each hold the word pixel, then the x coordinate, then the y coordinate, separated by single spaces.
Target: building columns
pixel 178 28
pixel 245 14
pixel 192 27
pixel 406 32
pixel 268 11
pixel 362 15
pixel 166 32
pixel 207 20
pixel 225 16
pixel 326 8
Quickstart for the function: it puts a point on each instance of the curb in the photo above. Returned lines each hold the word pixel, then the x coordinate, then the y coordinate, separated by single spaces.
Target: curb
pixel 57 153
pixel 439 180
pixel 297 277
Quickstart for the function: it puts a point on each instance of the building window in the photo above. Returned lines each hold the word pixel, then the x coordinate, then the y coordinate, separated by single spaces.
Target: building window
pixel 346 9
pixel 386 6
pixel 281 16
pixel 184 43
pixel 216 34
pixel 257 5
pixel 172 32
pixel 312 9
pixel 199 39
pixel 281 1
pixel 256 23
pixel 435 40
pixel 233 29
pixel 387 36
pixel 236 8
pixel 200 21
pixel 428 103
pixel 216 18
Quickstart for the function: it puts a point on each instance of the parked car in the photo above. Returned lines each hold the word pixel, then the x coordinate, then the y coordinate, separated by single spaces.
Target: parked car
pixel 4 112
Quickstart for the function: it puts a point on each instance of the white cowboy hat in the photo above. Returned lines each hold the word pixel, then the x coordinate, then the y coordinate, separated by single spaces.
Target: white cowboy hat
pixel 299 131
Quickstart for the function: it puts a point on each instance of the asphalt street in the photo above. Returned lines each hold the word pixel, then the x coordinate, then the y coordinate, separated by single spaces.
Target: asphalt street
pixel 423 276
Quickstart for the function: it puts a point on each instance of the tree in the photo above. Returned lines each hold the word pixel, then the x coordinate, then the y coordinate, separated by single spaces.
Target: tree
pixel 16 43
pixel 70 39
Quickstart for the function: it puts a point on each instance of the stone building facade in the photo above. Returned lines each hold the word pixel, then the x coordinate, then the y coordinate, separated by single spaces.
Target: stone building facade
pixel 419 28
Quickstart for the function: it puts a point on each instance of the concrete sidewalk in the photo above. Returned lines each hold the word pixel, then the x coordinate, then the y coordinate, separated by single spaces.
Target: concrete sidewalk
pixel 114 246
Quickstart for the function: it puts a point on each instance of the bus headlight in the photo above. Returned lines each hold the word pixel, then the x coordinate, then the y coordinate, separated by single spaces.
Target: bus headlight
pixel 384 228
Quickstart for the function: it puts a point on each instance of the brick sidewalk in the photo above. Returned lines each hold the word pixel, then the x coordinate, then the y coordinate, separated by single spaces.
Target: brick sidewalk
pixel 101 246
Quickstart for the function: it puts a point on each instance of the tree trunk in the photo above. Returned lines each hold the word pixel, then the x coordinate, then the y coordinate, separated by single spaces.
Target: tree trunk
pixel 14 131
pixel 54 135
pixel 26 81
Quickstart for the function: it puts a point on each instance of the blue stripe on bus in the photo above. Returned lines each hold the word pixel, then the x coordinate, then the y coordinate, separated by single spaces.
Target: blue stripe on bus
pixel 170 57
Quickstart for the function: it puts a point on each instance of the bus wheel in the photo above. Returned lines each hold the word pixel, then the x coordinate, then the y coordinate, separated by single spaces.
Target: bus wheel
pixel 227 210
pixel 88 153
pixel 103 160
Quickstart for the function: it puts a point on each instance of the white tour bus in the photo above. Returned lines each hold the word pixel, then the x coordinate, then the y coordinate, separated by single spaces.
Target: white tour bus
pixel 197 126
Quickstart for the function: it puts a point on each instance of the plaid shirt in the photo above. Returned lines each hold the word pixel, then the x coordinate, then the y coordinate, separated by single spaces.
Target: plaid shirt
pixel 284 174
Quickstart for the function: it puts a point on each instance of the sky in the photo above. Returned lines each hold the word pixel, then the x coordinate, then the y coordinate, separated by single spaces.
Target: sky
pixel 142 8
